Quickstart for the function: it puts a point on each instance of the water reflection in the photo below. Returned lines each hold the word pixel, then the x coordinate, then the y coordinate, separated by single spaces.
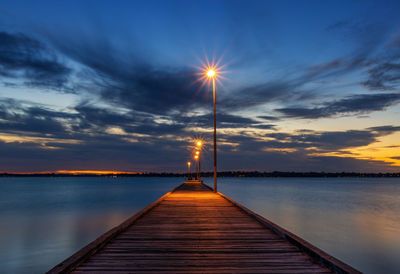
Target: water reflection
pixel 45 220
pixel 48 219
pixel 357 220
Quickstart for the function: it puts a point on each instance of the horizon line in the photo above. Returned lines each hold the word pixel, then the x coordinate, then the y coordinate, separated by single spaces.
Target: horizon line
pixel 233 173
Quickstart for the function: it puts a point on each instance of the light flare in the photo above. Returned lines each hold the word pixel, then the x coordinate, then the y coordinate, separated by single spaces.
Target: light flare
pixel 210 71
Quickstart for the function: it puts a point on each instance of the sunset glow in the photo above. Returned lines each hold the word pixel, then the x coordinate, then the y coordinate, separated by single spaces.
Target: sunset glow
pixel 94 172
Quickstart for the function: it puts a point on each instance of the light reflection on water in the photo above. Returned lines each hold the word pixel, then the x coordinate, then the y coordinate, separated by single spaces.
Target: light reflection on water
pixel 355 219
pixel 45 220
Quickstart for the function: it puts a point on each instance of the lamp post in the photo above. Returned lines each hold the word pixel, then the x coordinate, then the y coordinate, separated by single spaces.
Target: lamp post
pixel 211 74
pixel 196 157
pixel 198 163
pixel 189 175
pixel 199 145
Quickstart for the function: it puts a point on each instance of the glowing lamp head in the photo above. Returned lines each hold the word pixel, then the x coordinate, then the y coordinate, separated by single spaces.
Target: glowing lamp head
pixel 197 152
pixel 189 163
pixel 199 143
pixel 211 73
pixel 196 156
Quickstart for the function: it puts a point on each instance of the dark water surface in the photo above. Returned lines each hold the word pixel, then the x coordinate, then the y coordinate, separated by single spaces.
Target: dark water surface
pixel 45 220
pixel 354 219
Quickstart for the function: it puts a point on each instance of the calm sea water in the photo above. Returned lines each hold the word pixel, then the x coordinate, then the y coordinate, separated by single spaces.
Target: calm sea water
pixel 354 219
pixel 45 220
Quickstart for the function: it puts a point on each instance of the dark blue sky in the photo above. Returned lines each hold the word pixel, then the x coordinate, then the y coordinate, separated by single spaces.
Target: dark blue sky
pixel 111 85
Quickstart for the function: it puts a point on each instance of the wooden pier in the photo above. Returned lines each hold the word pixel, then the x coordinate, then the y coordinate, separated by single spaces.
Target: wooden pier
pixel 194 230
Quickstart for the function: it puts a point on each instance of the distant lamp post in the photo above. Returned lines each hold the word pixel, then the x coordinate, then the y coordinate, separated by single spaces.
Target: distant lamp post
pixel 199 144
pixel 198 164
pixel 211 74
pixel 189 174
pixel 196 158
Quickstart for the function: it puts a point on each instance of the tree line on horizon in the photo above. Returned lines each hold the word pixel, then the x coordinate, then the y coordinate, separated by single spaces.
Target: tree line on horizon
pixel 210 174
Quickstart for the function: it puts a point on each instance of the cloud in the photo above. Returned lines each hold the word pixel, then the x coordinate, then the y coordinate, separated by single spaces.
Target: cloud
pixel 96 153
pixel 367 35
pixel 384 76
pixel 224 120
pixel 294 86
pixel 269 118
pixel 90 115
pixel 299 151
pixel 125 79
pixel 161 144
pixel 375 53
pixel 296 161
pixel 155 91
pixel 321 141
pixel 113 152
pixel 29 60
pixel 49 140
pixel 14 118
pixel 309 141
pixel 396 41
pixel 356 104
pixel 259 94
pixel 336 140
pixel 384 130
pixel 146 109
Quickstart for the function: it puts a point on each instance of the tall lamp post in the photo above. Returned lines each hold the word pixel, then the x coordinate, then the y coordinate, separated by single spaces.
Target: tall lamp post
pixel 211 74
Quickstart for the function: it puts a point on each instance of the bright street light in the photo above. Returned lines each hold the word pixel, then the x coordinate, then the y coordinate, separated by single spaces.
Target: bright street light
pixel 211 73
pixel 189 175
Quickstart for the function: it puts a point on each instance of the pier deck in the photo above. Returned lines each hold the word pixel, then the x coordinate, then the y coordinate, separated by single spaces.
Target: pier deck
pixel 194 230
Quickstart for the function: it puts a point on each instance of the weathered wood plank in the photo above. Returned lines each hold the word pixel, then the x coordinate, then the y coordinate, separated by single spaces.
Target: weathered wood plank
pixel 193 230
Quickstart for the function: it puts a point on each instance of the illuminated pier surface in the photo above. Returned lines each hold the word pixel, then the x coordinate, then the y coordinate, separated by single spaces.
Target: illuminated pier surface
pixel 194 230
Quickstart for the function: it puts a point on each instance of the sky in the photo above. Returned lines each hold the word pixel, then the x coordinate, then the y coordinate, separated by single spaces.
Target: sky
pixel 115 85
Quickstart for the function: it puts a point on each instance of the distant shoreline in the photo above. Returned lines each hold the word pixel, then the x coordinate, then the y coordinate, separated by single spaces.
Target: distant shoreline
pixel 238 174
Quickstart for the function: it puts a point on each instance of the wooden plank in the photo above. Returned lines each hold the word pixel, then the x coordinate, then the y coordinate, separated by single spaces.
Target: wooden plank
pixel 192 230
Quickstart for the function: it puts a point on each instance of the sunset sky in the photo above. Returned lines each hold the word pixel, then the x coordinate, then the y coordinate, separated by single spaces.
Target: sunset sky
pixel 111 85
